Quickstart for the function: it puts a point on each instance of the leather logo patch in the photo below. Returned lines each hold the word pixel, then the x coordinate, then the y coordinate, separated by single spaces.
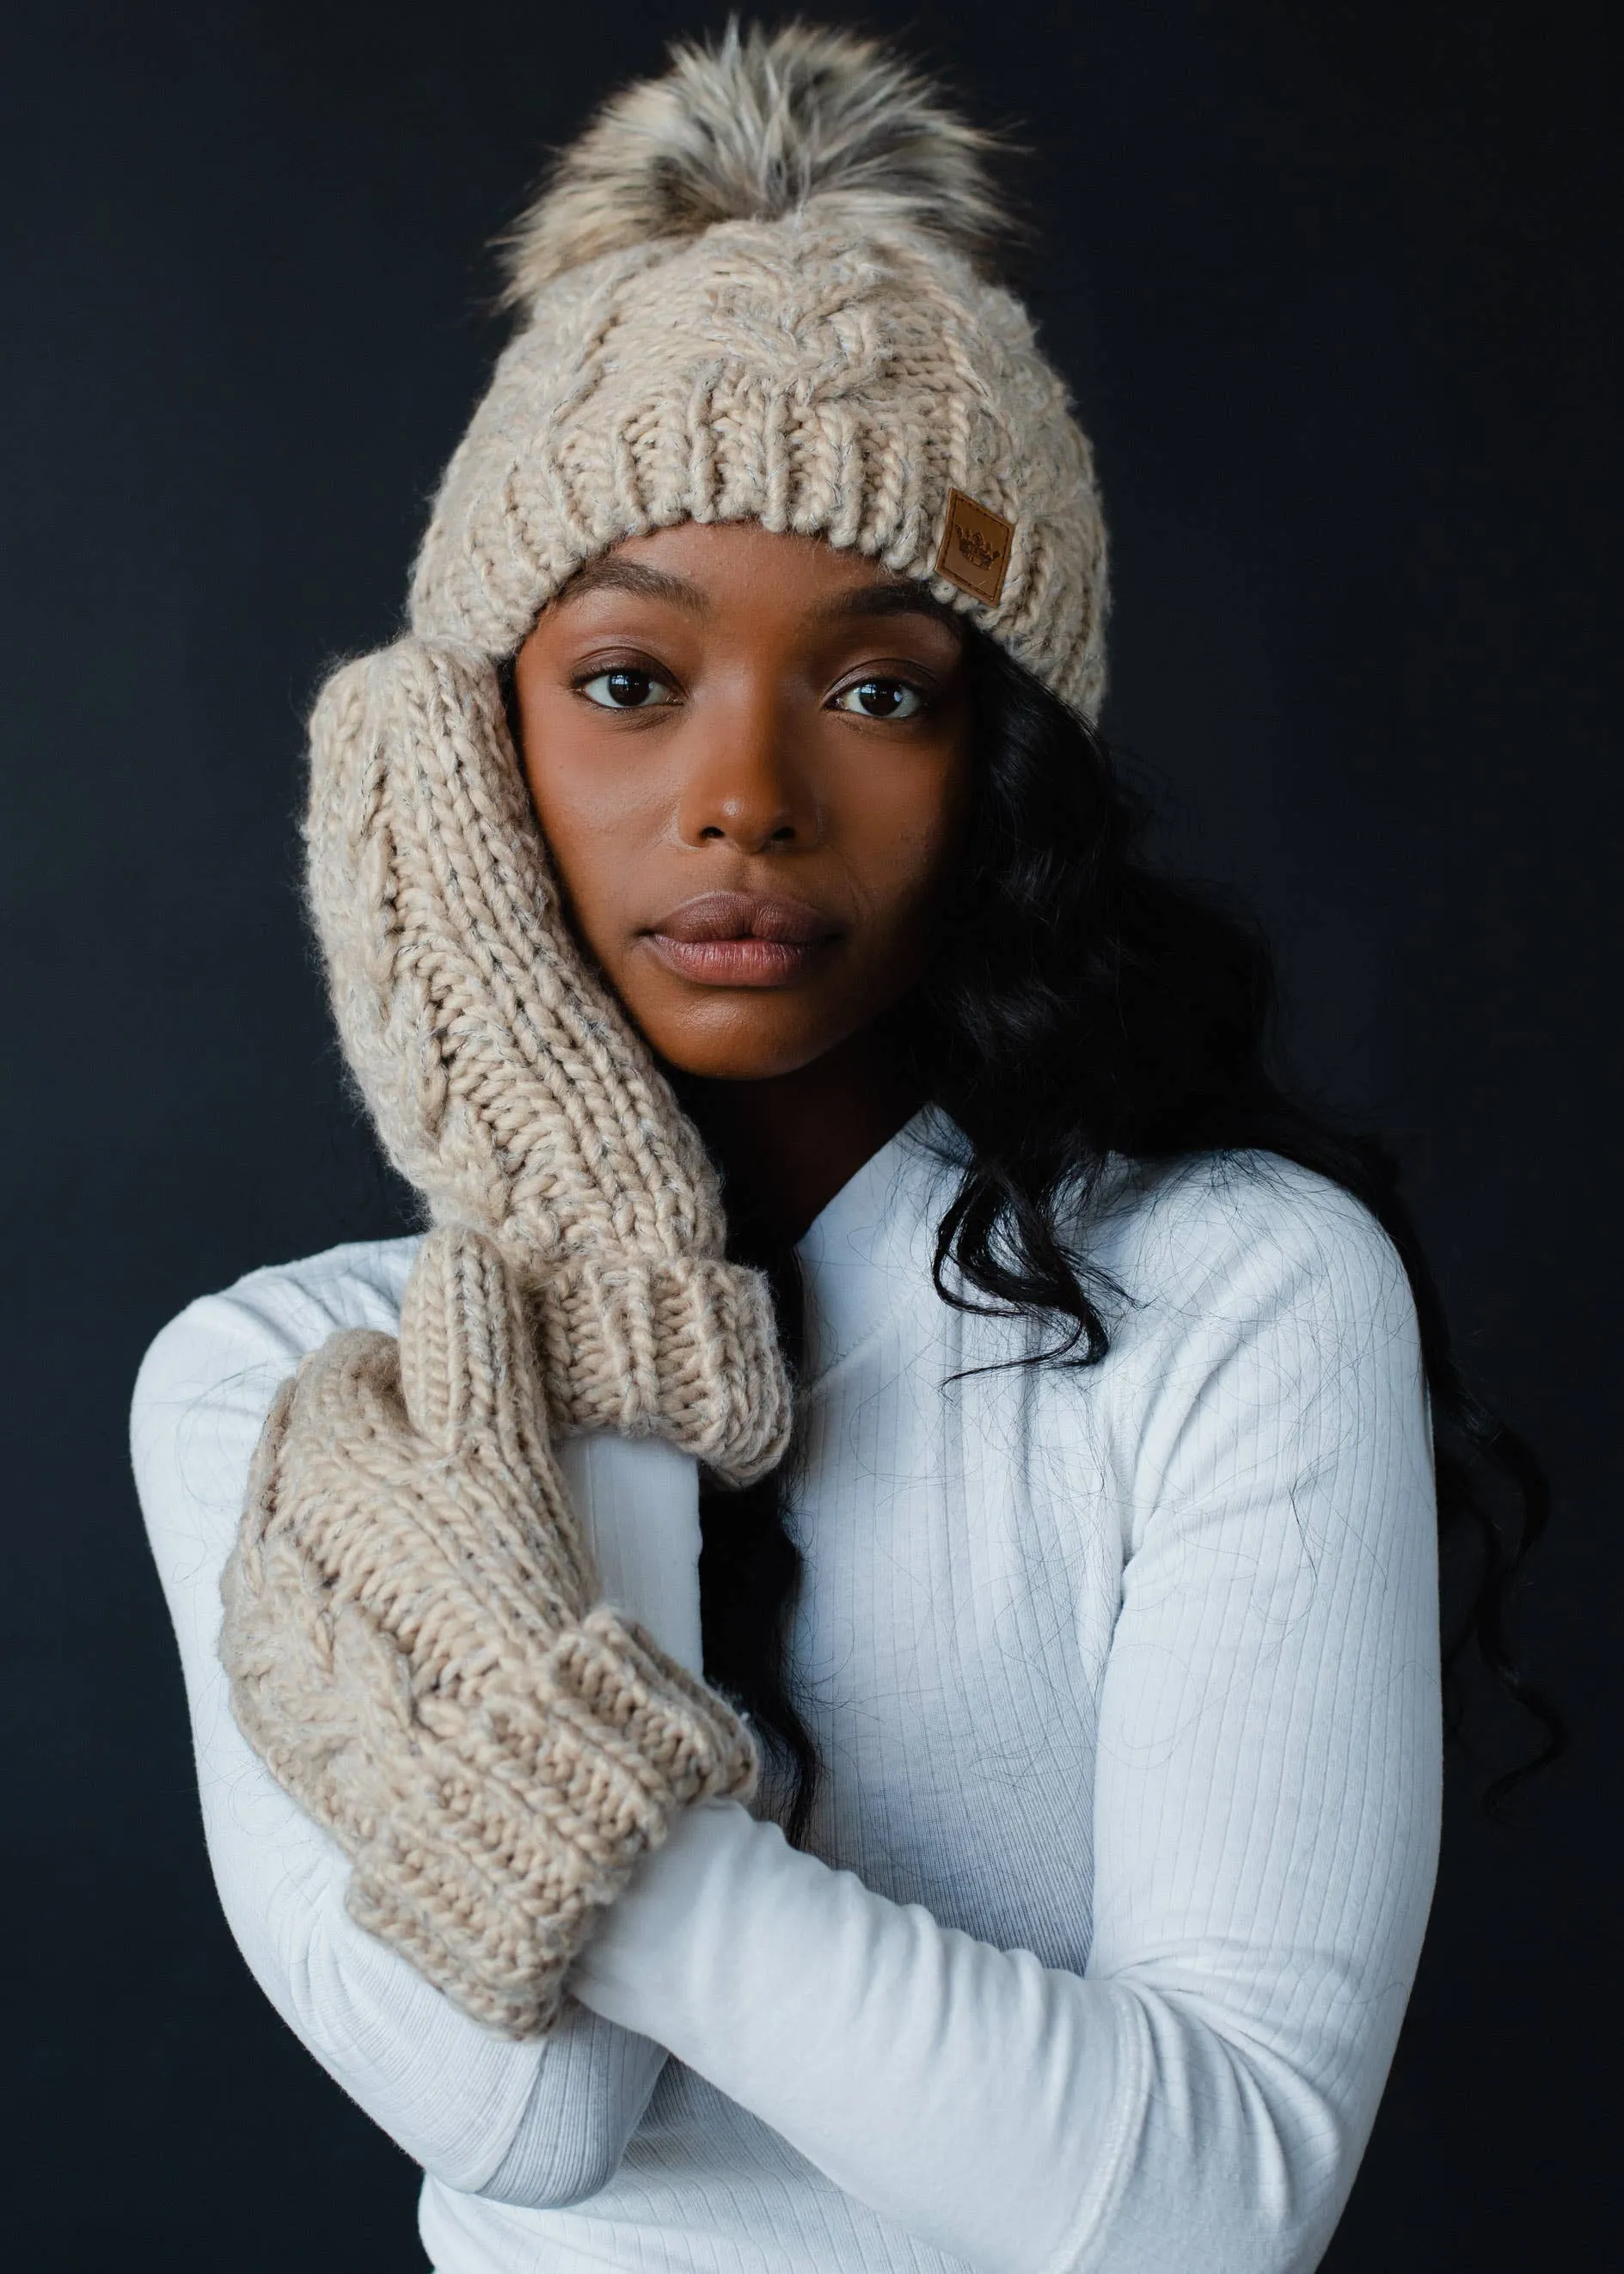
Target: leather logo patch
pixel 975 550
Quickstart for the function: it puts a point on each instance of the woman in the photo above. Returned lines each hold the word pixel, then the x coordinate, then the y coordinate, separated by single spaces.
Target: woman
pixel 1024 1502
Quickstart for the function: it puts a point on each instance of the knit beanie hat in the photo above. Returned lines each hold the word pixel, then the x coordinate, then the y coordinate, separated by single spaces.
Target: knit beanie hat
pixel 751 291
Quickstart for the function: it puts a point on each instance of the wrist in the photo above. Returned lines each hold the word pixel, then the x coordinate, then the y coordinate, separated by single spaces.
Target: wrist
pixel 638 1967
pixel 637 1501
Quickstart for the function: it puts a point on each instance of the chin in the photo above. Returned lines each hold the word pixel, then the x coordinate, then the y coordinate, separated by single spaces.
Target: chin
pixel 734 1045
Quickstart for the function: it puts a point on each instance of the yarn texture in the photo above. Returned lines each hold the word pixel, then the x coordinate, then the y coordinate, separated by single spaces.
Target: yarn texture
pixel 413 1650
pixel 753 290
pixel 754 293
pixel 506 1080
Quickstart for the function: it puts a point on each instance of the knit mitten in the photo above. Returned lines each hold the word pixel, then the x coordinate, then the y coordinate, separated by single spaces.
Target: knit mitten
pixel 414 1651
pixel 504 1078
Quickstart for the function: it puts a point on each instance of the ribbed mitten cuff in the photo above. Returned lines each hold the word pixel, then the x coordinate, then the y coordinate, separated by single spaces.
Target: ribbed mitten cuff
pixel 683 1348
pixel 497 1835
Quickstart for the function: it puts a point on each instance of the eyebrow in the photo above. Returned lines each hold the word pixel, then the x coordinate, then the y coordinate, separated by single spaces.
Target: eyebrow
pixel 891 596
pixel 894 596
pixel 606 573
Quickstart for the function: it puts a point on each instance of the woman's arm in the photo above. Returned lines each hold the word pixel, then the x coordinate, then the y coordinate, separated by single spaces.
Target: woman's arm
pixel 1266 1829
pixel 540 2123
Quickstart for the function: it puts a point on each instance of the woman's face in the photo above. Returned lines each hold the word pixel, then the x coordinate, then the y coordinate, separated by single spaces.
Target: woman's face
pixel 749 756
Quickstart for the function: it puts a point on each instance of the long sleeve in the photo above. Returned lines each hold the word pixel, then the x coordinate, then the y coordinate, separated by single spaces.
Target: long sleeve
pixel 535 2124
pixel 1266 1829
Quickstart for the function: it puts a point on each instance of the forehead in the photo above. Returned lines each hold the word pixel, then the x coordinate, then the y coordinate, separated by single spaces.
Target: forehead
pixel 710 567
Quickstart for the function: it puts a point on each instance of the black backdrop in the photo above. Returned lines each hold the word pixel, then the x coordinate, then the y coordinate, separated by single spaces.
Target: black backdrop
pixel 1332 284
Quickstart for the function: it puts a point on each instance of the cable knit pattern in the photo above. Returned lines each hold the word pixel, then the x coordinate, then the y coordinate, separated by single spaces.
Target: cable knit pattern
pixel 506 1081
pixel 412 1653
pixel 787 372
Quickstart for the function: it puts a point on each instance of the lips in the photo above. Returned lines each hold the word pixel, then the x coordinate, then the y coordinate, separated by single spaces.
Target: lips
pixel 741 939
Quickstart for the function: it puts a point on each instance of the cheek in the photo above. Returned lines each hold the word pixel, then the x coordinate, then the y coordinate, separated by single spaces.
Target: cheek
pixel 599 823
pixel 903 842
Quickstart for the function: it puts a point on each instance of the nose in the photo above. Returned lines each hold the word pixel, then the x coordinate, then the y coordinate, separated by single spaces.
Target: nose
pixel 745 786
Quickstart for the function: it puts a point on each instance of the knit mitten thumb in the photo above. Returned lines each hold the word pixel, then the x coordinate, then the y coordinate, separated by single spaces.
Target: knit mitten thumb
pixel 415 1652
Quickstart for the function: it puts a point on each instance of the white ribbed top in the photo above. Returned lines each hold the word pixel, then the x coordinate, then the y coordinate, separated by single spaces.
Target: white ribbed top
pixel 1125 1681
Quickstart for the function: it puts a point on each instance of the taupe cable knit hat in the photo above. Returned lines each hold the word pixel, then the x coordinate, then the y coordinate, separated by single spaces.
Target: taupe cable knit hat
pixel 750 292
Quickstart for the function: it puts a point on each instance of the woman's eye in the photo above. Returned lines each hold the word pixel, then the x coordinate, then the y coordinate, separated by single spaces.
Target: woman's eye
pixel 625 690
pixel 881 698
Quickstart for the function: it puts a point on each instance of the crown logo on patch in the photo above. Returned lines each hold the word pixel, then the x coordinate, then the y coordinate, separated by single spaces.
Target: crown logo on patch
pixel 975 550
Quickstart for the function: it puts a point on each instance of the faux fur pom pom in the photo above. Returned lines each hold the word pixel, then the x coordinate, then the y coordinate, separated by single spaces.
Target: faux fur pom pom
pixel 750 130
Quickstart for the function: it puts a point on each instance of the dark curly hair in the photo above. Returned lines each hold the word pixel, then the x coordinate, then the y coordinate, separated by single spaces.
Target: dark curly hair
pixel 1085 1006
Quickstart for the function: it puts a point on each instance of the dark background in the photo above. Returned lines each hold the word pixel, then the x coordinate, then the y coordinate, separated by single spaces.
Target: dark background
pixel 1334 287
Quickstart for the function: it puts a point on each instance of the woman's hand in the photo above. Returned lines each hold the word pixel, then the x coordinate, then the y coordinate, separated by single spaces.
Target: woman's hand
pixel 413 1650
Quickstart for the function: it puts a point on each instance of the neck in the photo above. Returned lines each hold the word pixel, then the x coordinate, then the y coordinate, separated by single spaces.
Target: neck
pixel 786 1146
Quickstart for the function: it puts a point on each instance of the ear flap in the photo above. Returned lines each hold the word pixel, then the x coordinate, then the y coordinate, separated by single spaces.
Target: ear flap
pixel 507 1083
